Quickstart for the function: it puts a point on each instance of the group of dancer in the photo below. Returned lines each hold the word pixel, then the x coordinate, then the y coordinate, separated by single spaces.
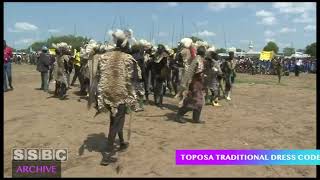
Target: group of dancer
pixel 120 77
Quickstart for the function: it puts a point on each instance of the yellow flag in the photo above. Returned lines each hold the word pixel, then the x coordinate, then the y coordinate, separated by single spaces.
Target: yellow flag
pixel 266 55
pixel 52 51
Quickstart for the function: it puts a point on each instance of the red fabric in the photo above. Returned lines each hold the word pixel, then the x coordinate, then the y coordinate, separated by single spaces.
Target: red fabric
pixel 195 99
pixel 193 52
pixel 7 54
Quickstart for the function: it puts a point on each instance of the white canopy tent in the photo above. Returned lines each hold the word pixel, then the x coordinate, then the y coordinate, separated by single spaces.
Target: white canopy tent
pixel 299 55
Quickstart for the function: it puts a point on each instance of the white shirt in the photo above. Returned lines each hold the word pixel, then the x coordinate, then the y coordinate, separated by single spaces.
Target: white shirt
pixel 299 62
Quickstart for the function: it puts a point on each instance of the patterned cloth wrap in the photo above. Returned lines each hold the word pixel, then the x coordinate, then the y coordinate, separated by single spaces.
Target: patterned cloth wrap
pixel 91 53
pixel 212 71
pixel 116 80
pixel 190 66
pixel 193 96
pixel 59 71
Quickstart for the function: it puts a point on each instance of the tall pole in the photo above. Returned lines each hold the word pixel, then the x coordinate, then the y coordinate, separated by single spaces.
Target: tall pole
pixel 152 31
pixel 120 22
pixel 112 26
pixel 105 34
pixel 158 34
pixel 113 22
pixel 150 37
pixel 123 22
pixel 182 28
pixel 75 30
pixel 50 32
pixel 195 27
pixel 172 36
pixel 224 36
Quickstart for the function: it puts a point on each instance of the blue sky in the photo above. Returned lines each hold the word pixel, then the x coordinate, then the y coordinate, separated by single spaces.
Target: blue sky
pixel 285 23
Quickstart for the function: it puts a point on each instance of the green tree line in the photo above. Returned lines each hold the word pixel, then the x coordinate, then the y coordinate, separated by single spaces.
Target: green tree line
pixel 75 41
pixel 287 51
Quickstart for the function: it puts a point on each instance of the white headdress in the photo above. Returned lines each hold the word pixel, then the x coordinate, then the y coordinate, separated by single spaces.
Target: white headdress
pixel 212 48
pixel 125 36
pixel 89 49
pixel 62 45
pixel 202 43
pixel 187 42
pixel 144 43
pixel 118 34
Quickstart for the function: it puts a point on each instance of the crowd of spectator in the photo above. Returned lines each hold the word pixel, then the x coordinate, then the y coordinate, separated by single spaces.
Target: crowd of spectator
pixel 255 66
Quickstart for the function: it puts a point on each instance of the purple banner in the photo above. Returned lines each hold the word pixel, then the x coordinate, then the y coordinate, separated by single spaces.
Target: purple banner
pixel 247 157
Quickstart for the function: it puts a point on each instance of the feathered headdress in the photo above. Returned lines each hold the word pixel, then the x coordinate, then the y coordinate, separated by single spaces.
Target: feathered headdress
pixel 62 46
pixel 202 43
pixel 123 35
pixel 211 49
pixel 146 45
pixel 186 42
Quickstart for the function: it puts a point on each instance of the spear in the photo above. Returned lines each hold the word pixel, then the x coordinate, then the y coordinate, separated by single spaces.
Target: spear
pixel 224 36
pixel 182 28
pixel 158 34
pixel 75 30
pixel 150 36
pixel 105 34
pixel 113 22
pixel 123 22
pixel 172 36
pixel 152 31
pixel 195 27
pixel 120 20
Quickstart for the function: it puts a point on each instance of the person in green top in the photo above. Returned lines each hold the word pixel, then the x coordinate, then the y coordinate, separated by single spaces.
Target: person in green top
pixel 77 66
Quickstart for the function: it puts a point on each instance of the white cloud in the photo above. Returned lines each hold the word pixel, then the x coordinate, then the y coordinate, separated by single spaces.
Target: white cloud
pixel 205 33
pixel 287 30
pixel 283 45
pixel 294 7
pixel 280 5
pixel 267 17
pixel 263 13
pixel 268 21
pixel 269 33
pixel 54 30
pixel 310 28
pixel 162 34
pixel 173 4
pixel 217 6
pixel 24 41
pixel 304 18
pixel 202 23
pixel 23 26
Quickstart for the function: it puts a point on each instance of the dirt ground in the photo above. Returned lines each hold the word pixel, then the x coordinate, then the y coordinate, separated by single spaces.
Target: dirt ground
pixel 262 115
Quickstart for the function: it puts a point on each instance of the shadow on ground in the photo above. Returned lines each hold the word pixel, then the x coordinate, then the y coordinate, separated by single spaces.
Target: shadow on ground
pixel 97 143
